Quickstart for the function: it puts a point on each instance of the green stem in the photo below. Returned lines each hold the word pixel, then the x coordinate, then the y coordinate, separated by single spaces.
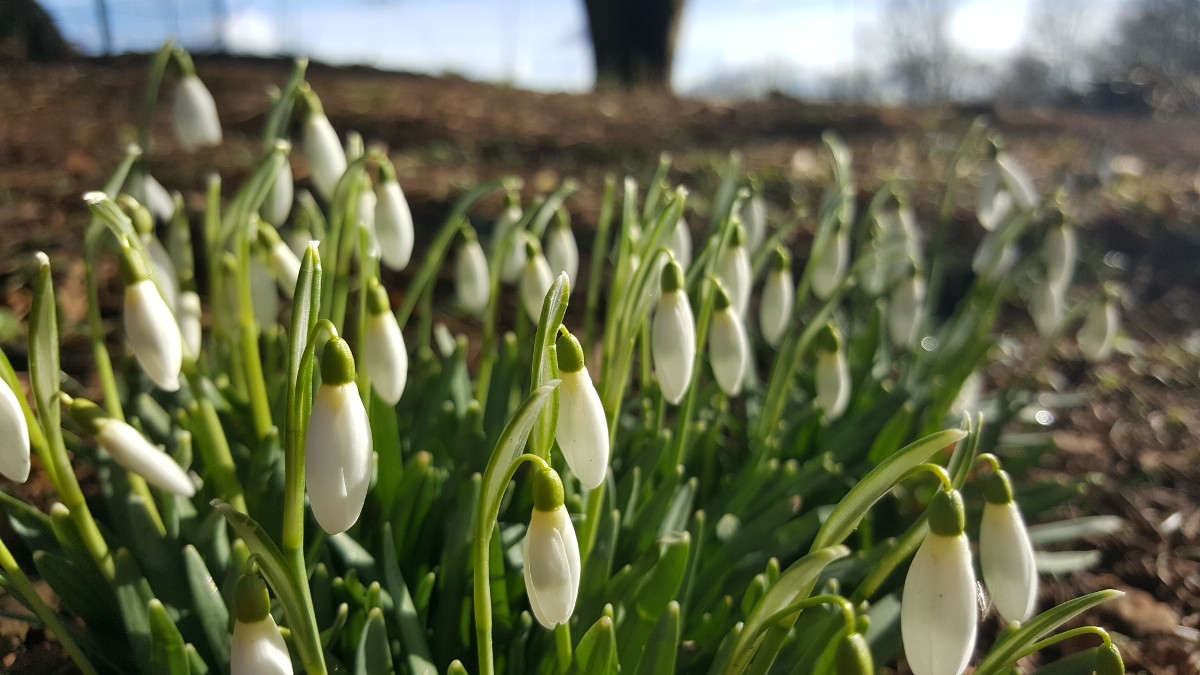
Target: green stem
pixel 158 67
pixel 297 431
pixel 901 550
pixel 260 405
pixel 218 457
pixel 599 252
pixel 562 647
pixel 934 469
pixel 1062 637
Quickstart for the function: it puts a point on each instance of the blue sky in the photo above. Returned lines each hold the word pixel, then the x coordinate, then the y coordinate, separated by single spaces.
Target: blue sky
pixel 542 44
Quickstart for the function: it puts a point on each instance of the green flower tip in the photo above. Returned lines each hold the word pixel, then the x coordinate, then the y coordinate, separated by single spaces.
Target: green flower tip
pixel 377 299
pixel 829 339
pixel 311 102
pixel 672 276
pixel 89 416
pixel 387 172
pixel 946 515
pixel 251 602
pixel 467 235
pixel 532 248
pixel 133 267
pixel 780 260
pixel 854 656
pixel 997 488
pixel 1109 661
pixel 570 354
pixel 721 301
pixel 337 363
pixel 738 237
pixel 143 220
pixel 548 492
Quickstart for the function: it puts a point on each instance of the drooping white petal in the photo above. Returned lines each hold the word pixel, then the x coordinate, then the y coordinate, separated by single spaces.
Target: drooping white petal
pixel 286 266
pixel 393 225
pixel 131 450
pixel 1006 558
pixel 1045 307
pixel 1099 330
pixel 153 334
pixel 728 350
pixel 471 278
pixel 1059 254
pixel 905 311
pixel 189 321
pixel 967 401
pixel 337 457
pixel 673 344
pixel 366 219
pixel 551 566
pixel 163 270
pixel 155 197
pixel 259 649
pixel 536 279
pixel 278 204
pixel 562 253
pixel 734 271
pixel 775 309
pixel 386 357
pixel 679 241
pixel 582 428
pixel 14 429
pixel 326 157
pixel 992 204
pixel 196 121
pixel 938 614
pixel 831 262
pixel 833 383
pixel 754 217
pixel 1017 180
pixel 263 295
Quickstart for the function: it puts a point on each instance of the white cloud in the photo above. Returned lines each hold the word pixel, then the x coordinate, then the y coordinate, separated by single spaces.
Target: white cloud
pixel 251 32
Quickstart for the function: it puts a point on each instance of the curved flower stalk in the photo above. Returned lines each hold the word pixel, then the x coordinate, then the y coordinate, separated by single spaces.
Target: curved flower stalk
pixel 150 327
pixel 189 313
pixel 551 553
pixel 393 220
pixel 562 252
pixel 386 353
pixel 337 450
pixel 673 335
pixel 1046 308
pixel 326 157
pixel 1006 553
pixel 14 429
pixel 728 350
pixel 1059 253
pixel 1099 329
pixel 130 448
pixel 830 263
pixel 258 647
pixel 754 218
pixel 734 270
pixel 582 430
pixel 535 279
pixel 938 614
pixel 778 296
pixel 471 284
pixel 196 121
pixel 278 205
pixel 679 241
pixel 905 311
pixel 833 374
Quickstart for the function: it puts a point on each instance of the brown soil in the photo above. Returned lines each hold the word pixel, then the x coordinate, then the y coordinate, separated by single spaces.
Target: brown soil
pixel 63 128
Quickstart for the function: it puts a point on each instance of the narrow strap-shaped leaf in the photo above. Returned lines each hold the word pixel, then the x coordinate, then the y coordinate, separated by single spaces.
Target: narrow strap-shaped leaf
pixel 663 645
pixel 508 448
pixel 168 656
pixel 208 607
pixel 597 650
pixel 133 595
pixel 374 655
pixel 412 635
pixel 1001 658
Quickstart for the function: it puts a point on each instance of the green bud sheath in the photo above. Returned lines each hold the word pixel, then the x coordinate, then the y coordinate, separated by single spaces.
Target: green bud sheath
pixel 1109 661
pixel 672 276
pixel 89 416
pixel 570 354
pixel 946 515
pixel 738 238
pixel 377 299
pixel 997 488
pixel 721 301
pixel 829 339
pixel 251 602
pixel 133 267
pixel 532 248
pixel 854 656
pixel 780 259
pixel 548 492
pixel 387 172
pixel 337 363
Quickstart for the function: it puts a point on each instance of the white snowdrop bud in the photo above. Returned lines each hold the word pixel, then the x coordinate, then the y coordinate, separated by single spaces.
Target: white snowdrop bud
pixel 778 296
pixel 393 221
pixel 562 253
pixel 1099 330
pixel 536 279
pixel 1059 255
pixel 514 259
pixel 992 204
pixel 734 270
pixel 150 192
pixel 679 241
pixel 905 311
pixel 196 122
pixel 830 263
pixel 163 270
pixel 326 157
pixel 337 450
pixel 258 647
pixel 754 217
pixel 938 614
pixel 189 321
pixel 969 394
pixel 387 355
pixel 833 374
pixel 1045 308
pixel 263 296
pixel 551 553
pixel 150 327
pixel 1017 180
pixel 279 200
pixel 286 266
pixel 728 350
pixel 673 335
pixel 130 449
pixel 14 428
pixel 366 217
pixel 1006 553
pixel 582 431
pixel 471 283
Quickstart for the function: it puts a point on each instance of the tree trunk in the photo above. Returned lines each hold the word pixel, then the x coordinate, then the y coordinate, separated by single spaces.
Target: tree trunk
pixel 633 42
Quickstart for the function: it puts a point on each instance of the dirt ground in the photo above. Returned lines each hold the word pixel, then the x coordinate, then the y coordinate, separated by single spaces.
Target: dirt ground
pixel 63 128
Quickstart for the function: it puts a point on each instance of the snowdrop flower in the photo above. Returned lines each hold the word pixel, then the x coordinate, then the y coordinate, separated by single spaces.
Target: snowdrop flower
pixel 938 614
pixel 150 192
pixel 673 335
pixel 754 216
pixel 1099 329
pixel 1045 308
pixel 14 429
pixel 189 313
pixel 258 646
pixel 728 350
pixel 393 220
pixel 130 449
pixel 734 270
pixel 472 286
pixel 337 451
pixel 162 268
pixel 992 203
pixel 906 309
pixel 514 258
pixel 993 258
pixel 282 259
pixel 582 431
pixel 366 216
pixel 829 263
pixel 1059 254
pixel 196 122
pixel 387 356
pixel 854 656
pixel 1005 552
pixel 536 279
pixel 150 327
pixel 1004 185
pixel 833 374
pixel 778 296
pixel 562 253
pixel 278 204
pixel 551 553
pixel 263 297
pixel 1109 661
pixel 679 241
pixel 326 157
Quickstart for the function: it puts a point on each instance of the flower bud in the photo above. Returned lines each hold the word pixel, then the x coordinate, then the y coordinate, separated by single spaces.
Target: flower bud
pixel 263 296
pixel 1059 254
pixel 471 283
pixel 154 196
pixel 14 428
pixel 778 296
pixel 830 263
pixel 905 311
pixel 258 646
pixel 189 321
pixel 196 122
pixel 1109 661
pixel 1017 180
pixel 734 271
pixel 551 553
pixel 673 335
pixel 286 266
pixel 337 456
pixel 163 270
pixel 679 241
pixel 387 355
pixel 536 279
pixel 393 221
pixel 1006 553
pixel 562 253
pixel 131 450
pixel 833 374
pixel 1099 330
pixel 854 656
pixel 728 350
pixel 150 327
pixel 1045 308
pixel 278 204
pixel 326 157
pixel 754 217
pixel 582 431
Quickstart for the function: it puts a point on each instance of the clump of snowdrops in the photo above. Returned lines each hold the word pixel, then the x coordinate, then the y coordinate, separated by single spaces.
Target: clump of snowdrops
pixel 651 467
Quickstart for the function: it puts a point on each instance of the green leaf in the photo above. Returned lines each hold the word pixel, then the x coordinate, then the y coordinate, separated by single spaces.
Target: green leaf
pixel 544 367
pixel 597 650
pixel 663 645
pixel 1065 531
pixel 83 593
pixel 158 559
pixel 1001 657
pixel 43 350
pixel 412 634
pixel 168 656
pixel 209 607
pixel 1065 562
pixel 374 655
pixel 133 595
